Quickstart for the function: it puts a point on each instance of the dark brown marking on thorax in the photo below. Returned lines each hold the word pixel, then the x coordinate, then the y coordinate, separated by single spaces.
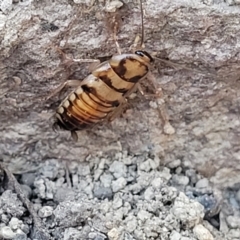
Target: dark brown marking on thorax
pixel 130 70
pixel 108 82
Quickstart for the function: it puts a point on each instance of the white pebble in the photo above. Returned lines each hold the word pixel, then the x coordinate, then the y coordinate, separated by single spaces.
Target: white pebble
pixel 14 223
pixel 7 233
pixel 113 234
pixel 45 211
pixel 119 184
pixel 202 233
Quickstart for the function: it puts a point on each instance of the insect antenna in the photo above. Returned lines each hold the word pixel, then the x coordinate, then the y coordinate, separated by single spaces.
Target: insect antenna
pixel 142 38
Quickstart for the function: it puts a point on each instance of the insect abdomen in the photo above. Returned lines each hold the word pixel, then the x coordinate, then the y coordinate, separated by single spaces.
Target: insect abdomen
pixel 101 92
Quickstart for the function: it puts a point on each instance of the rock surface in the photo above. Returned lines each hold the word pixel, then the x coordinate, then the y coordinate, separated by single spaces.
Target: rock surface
pixel 115 175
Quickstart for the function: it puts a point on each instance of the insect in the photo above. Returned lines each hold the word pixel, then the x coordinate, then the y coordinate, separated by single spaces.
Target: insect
pixel 102 94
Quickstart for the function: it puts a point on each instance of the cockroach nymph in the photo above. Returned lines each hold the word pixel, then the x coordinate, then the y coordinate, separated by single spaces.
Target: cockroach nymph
pixel 102 94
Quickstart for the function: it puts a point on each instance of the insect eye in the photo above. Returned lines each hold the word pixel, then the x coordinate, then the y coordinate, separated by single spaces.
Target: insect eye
pixel 144 54
pixel 140 53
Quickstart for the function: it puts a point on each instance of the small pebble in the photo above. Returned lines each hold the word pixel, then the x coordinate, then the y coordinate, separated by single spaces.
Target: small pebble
pixel 118 169
pixel 119 184
pixel 45 211
pixel 14 223
pixel 174 164
pixel 234 233
pixel 113 234
pixel 191 173
pixel 238 196
pixel 149 194
pixel 103 193
pixel 157 183
pixel 28 179
pixel 27 190
pixel 4 218
pixel 20 235
pixel 5 6
pixel 202 183
pixel 175 235
pixel 83 170
pixel 113 6
pixel 117 202
pixel 144 215
pixel 7 233
pixel 180 180
pixel 106 179
pixel 233 221
pixel 202 233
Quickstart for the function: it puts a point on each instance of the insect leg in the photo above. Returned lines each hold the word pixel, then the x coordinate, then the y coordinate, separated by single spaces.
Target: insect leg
pixel 68 83
pixel 117 112
pixel 115 31
pixel 136 46
pixel 167 128
pixel 68 60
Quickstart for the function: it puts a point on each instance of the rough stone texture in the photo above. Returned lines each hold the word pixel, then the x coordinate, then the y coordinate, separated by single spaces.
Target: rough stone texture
pixel 201 94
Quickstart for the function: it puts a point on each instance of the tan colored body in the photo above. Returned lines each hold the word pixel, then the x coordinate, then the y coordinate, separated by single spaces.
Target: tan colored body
pixel 101 94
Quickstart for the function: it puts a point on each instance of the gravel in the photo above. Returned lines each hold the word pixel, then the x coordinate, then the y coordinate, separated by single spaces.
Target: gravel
pixel 146 208
pixel 128 180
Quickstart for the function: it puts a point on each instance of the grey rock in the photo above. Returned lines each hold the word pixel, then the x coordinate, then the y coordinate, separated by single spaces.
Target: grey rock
pixel 71 213
pixel 149 194
pixel 178 170
pixel 60 182
pixel 40 187
pixel 234 234
pixel 119 184
pixel 50 189
pixel 211 204
pixel 28 179
pixel 191 173
pixel 202 183
pixel 27 190
pixel 165 174
pixel 25 228
pixel 238 196
pixel 63 194
pixel 223 222
pixel 132 223
pixel 20 235
pixel 45 212
pixel 7 233
pixel 106 179
pixel 6 6
pixel 190 213
pixel 14 223
pixel 118 169
pixel 168 194
pixel 174 164
pixel 145 166
pixel 5 218
pixel 103 192
pixel 50 169
pixel 233 221
pixel 75 180
pixel 117 202
pixel 97 236
pixel 175 235
pixel 114 234
pixel 72 233
pixel 9 203
pixel 144 215
pixel 202 233
pixel 180 180
pixel 83 170
pixel 157 183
